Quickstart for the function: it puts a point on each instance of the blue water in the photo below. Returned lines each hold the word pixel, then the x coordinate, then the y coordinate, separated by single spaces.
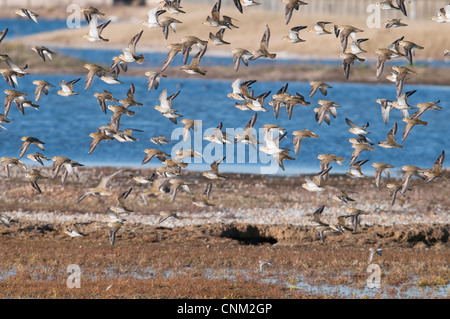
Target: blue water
pixel 64 124
pixel 156 59
pixel 18 27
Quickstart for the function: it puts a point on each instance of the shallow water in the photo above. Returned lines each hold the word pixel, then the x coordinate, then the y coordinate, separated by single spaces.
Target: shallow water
pixel 64 124
pixel 297 283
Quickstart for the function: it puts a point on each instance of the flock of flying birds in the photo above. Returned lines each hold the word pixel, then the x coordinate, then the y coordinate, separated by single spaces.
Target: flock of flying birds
pixel 167 179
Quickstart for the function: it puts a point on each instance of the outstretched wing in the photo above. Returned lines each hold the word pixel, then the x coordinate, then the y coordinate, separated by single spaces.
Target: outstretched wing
pixel 104 181
pixel 134 41
pixel 238 5
pixel 121 199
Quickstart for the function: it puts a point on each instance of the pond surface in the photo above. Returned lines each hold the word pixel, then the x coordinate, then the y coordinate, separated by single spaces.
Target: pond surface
pixel 64 124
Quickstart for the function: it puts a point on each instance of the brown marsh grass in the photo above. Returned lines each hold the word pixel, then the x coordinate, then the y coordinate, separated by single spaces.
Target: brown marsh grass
pixel 217 260
pixel 218 268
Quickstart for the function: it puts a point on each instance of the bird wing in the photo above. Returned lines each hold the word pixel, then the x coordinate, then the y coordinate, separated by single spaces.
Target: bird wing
pixel 41 53
pixel 440 160
pixel 265 38
pixel 104 181
pixel 112 235
pixel 251 123
pixel 23 148
pixel 401 6
pixel 36 186
pixel 3 34
pixel 207 191
pixel 152 16
pixel 236 86
pixel 215 165
pixel 314 88
pixel 94 143
pixel 38 92
pixel 380 64
pixel 196 59
pixel 215 12
pixel 238 5
pixel 297 144
pixel 153 81
pixel 83 196
pixel 164 103
pixel 386 107
pixel 93 24
pixel 173 96
pixel 134 41
pixel 89 79
pixel 407 130
pixel 71 83
pixel 288 9
pixel 317 214
pixel 102 26
pixel 121 199
pixel 392 133
pixel 377 175
pixel 170 56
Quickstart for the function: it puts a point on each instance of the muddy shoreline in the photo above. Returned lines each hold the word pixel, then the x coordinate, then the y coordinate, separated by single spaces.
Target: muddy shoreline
pixel 418 236
pixel 198 257
pixel 299 71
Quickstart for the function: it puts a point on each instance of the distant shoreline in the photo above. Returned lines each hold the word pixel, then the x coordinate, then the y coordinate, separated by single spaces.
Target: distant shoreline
pixel 298 72
pixel 285 72
pixel 126 22
pixel 282 55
